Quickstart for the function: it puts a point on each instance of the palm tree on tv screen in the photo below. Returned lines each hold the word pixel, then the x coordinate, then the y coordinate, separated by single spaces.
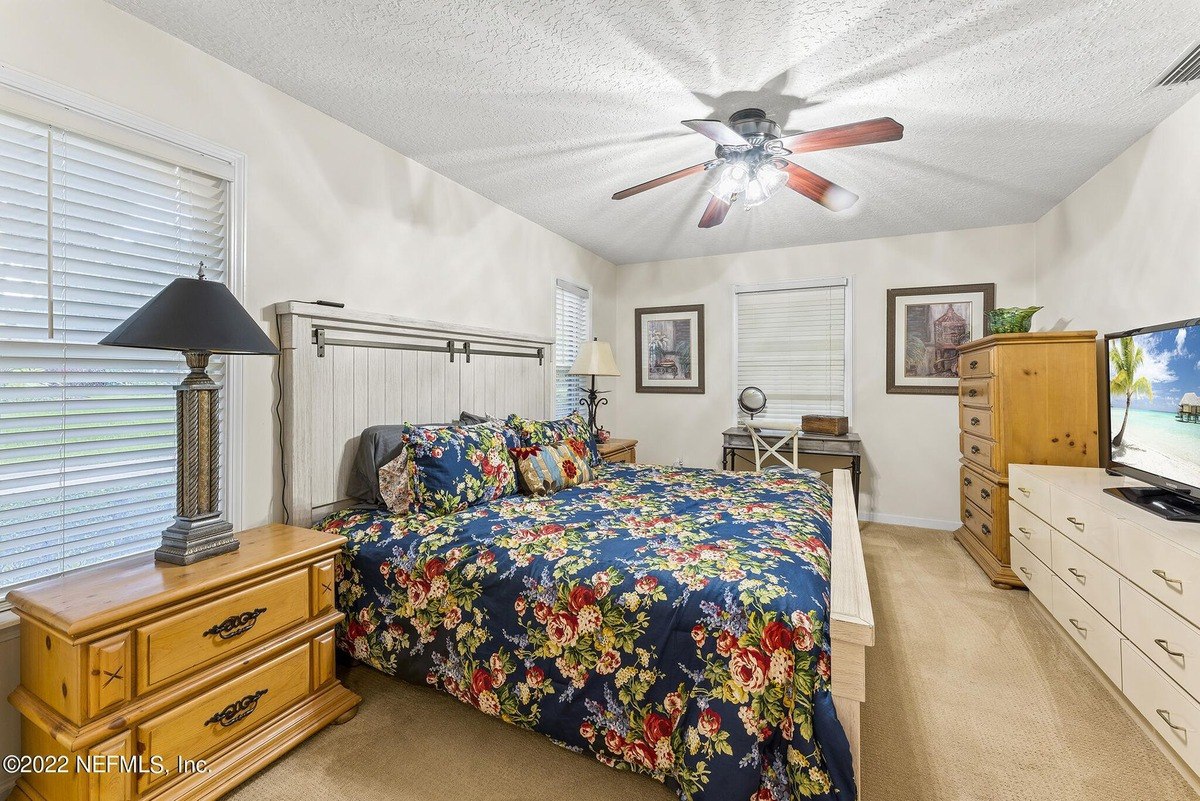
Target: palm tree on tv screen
pixel 1126 358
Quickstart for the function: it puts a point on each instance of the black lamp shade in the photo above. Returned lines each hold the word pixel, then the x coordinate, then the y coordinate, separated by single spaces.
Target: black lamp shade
pixel 193 314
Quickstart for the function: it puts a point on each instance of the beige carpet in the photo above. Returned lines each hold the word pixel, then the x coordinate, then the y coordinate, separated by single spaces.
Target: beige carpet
pixel 972 696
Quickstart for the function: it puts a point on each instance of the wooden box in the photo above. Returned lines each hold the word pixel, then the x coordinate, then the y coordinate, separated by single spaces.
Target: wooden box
pixel 824 424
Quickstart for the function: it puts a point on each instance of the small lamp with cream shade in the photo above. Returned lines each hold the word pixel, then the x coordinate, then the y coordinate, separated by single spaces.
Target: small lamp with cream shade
pixel 595 358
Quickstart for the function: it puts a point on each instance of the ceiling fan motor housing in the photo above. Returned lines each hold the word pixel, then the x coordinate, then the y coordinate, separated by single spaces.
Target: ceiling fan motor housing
pixel 753 122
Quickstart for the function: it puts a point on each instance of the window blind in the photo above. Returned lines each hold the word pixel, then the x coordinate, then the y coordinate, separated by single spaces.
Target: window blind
pixel 572 327
pixel 791 344
pixel 88 233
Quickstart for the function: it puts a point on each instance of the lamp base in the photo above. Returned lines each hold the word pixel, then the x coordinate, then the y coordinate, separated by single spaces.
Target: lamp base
pixel 192 540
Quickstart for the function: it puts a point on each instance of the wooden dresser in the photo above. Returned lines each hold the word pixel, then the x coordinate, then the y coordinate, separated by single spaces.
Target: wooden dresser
pixel 134 670
pixel 1124 585
pixel 618 450
pixel 1027 399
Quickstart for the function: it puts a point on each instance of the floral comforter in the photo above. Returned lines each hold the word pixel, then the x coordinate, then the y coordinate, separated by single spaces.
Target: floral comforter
pixel 670 621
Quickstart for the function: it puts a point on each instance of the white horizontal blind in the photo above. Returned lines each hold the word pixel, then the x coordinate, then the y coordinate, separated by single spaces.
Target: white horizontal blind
pixel 572 327
pixel 791 344
pixel 88 233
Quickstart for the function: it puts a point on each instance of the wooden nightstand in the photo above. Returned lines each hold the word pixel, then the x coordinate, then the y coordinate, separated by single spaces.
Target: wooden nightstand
pixel 229 660
pixel 618 450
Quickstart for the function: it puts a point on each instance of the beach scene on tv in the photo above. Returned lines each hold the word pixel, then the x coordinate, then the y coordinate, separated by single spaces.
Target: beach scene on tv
pixel 1154 393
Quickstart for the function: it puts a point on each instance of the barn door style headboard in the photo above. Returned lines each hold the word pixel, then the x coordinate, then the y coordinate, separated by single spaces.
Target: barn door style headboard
pixel 344 370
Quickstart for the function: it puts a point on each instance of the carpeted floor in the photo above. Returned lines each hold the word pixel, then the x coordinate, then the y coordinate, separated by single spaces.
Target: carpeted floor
pixel 972 696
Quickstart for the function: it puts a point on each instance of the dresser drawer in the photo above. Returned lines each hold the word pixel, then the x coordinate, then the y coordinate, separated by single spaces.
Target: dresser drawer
pixel 1029 491
pixel 1171 711
pixel 1167 639
pixel 980 451
pixel 1032 571
pixel 202 725
pixel 975 421
pixel 1084 522
pixel 976 363
pixel 1029 530
pixel 1169 573
pixel 975 392
pixel 1094 581
pixel 1095 635
pixel 980 489
pixel 175 645
pixel 978 522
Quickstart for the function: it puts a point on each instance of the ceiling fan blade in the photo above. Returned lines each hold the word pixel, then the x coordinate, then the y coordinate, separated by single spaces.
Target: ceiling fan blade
pixel 714 213
pixel 664 179
pixel 718 131
pixel 868 132
pixel 822 190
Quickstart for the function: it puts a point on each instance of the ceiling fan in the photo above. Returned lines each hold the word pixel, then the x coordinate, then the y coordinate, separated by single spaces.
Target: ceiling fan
pixel 752 165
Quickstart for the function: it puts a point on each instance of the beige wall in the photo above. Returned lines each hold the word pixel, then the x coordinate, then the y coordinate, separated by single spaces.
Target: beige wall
pixel 910 441
pixel 1124 249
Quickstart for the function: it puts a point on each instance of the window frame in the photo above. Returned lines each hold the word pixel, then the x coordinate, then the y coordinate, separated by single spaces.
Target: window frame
pixel 847 344
pixel 567 284
pixel 43 101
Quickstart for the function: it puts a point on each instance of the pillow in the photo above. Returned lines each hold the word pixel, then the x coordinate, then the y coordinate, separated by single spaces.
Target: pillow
pixel 457 466
pixel 396 483
pixel 377 446
pixel 548 432
pixel 543 469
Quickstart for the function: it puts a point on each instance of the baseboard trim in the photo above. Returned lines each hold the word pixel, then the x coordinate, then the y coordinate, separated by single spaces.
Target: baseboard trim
pixel 915 522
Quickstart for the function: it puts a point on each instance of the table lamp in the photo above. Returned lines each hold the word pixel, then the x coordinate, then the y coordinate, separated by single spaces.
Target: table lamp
pixel 199 318
pixel 595 358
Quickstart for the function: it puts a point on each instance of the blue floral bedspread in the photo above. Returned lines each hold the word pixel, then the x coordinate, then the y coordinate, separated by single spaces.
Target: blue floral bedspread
pixel 670 621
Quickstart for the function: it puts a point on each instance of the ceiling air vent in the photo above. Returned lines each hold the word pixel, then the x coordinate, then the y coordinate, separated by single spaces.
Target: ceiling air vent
pixel 1187 69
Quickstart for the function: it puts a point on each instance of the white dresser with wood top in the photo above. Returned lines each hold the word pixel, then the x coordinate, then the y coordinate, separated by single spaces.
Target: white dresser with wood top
pixel 1124 585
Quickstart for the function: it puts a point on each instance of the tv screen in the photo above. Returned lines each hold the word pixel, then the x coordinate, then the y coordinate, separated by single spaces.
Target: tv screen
pixel 1154 404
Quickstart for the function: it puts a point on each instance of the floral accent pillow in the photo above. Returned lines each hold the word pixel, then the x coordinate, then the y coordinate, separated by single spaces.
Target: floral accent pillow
pixel 457 466
pixel 548 432
pixel 396 484
pixel 544 469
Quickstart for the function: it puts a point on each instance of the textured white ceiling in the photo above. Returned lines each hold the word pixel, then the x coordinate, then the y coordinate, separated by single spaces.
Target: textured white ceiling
pixel 548 108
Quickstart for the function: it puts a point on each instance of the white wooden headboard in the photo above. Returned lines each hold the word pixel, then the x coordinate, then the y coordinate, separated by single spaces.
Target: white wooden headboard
pixel 344 370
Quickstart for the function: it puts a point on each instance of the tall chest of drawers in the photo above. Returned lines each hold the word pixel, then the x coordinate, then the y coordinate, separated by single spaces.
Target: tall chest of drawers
pixel 1022 398
pixel 141 680
pixel 1124 585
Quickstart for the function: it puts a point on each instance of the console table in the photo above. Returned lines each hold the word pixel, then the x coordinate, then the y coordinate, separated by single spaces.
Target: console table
pixel 846 446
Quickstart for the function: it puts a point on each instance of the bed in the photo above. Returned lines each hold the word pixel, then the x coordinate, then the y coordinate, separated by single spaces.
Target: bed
pixel 706 628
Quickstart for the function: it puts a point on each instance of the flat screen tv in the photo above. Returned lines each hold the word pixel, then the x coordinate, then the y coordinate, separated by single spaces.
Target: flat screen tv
pixel 1154 414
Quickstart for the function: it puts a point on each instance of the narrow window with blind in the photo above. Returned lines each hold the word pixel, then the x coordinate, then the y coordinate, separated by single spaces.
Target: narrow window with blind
pixel 88 233
pixel 792 343
pixel 572 327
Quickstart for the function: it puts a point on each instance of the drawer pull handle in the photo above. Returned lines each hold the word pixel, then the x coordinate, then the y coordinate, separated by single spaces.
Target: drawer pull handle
pixel 235 625
pixel 1080 577
pixel 974 363
pixel 985 493
pixel 967 482
pixel 1075 523
pixel 1025 531
pixel 1163 644
pixel 972 393
pixel 1162 574
pixel 975 421
pixel 1166 716
pixel 974 449
pixel 1023 491
pixel 987 530
pixel 237 711
pixel 1078 626
pixel 1025 570
pixel 967 514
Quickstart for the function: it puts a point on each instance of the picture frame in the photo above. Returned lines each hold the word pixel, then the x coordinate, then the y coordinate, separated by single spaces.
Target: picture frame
pixel 925 324
pixel 669 342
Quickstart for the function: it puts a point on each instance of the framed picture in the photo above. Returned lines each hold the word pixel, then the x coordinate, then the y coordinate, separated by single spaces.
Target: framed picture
pixel 926 325
pixel 670 349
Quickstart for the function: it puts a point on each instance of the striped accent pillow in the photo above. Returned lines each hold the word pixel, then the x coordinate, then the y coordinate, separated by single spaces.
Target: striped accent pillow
pixel 544 469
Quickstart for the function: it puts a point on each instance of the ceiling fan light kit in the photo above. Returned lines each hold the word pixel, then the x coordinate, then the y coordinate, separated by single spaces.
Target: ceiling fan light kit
pixel 751 161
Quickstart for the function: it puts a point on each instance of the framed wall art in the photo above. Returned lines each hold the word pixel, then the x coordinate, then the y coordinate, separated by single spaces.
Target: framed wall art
pixel 670 349
pixel 926 325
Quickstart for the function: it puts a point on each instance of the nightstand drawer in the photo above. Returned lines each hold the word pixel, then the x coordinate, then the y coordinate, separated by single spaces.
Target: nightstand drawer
pixel 173 646
pixel 200 726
